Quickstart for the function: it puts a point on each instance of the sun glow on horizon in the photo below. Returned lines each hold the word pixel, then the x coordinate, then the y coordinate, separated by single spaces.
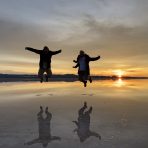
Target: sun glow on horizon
pixel 119 83
pixel 119 73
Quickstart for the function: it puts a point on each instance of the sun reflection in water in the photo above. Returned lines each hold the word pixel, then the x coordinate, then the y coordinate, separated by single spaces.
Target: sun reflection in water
pixel 119 82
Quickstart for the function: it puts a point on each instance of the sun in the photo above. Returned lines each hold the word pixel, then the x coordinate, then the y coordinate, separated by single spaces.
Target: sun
pixel 119 73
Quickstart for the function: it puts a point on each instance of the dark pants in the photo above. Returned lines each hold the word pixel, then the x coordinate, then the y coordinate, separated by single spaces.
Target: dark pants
pixel 83 76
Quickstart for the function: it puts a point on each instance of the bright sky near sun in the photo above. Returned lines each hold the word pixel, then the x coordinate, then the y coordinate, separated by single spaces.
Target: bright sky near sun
pixel 115 29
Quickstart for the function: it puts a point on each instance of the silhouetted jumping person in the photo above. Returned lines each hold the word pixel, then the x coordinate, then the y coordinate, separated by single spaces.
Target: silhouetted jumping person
pixel 83 66
pixel 83 124
pixel 45 61
pixel 44 129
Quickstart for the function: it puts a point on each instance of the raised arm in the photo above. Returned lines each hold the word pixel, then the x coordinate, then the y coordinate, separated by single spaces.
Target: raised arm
pixel 33 50
pixel 76 61
pixel 77 65
pixel 55 138
pixel 94 134
pixel 32 142
pixel 94 58
pixel 56 52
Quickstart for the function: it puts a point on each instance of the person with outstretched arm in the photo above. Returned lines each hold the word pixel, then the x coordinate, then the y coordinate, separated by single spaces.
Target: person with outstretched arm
pixel 44 128
pixel 83 124
pixel 45 61
pixel 82 63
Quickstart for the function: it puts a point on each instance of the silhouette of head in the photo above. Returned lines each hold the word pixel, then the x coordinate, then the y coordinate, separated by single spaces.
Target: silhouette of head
pixel 82 52
pixel 46 49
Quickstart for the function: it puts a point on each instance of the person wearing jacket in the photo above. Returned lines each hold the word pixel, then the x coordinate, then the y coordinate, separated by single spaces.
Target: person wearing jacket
pixel 44 125
pixel 83 66
pixel 45 61
pixel 83 124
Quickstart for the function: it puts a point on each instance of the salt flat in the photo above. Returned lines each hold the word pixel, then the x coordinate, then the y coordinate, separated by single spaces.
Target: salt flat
pixel 119 115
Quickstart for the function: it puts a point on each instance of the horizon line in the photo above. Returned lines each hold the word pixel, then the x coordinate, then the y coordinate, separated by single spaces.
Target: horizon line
pixel 113 76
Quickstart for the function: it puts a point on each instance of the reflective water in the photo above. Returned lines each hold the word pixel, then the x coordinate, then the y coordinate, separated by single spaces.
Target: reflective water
pixel 119 114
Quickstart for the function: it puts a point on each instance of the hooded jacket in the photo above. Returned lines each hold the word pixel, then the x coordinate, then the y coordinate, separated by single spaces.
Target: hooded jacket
pixel 45 57
pixel 87 60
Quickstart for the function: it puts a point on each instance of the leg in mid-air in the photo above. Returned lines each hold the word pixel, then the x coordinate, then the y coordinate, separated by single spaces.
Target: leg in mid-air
pixel 40 118
pixel 86 118
pixel 85 78
pixel 82 78
pixel 49 115
pixel 81 110
pixel 90 79
pixel 48 74
pixel 85 83
pixel 40 122
pixel 89 111
pixel 40 113
pixel 41 74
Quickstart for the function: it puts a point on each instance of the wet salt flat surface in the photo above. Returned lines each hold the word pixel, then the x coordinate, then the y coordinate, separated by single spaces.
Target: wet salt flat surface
pixel 119 114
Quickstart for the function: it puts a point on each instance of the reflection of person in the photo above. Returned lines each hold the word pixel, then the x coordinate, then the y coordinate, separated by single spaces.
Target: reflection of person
pixel 45 61
pixel 83 64
pixel 83 124
pixel 44 129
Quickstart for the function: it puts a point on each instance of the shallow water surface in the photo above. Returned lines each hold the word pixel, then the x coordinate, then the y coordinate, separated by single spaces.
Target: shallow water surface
pixel 119 114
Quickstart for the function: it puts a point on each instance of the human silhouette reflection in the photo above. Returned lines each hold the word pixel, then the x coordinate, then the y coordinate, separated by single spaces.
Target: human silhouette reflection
pixel 83 124
pixel 44 129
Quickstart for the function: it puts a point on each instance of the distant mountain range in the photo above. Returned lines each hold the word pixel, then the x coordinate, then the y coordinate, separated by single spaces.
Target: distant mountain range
pixel 64 77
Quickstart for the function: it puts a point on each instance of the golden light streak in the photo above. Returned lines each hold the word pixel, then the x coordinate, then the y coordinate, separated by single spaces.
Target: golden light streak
pixel 119 73
pixel 119 83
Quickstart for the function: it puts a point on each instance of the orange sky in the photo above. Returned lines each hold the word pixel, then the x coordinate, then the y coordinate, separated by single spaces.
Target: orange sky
pixel 115 30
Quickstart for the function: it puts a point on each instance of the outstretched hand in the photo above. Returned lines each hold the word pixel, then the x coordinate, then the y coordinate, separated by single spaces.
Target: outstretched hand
pixel 74 61
pixel 60 50
pixel 26 48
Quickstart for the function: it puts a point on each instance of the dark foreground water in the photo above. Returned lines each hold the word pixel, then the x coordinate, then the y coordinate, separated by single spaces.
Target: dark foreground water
pixel 119 115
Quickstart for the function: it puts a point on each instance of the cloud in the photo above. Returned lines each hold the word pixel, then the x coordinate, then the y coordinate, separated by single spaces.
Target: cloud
pixel 15 36
pixel 115 29
pixel 117 39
